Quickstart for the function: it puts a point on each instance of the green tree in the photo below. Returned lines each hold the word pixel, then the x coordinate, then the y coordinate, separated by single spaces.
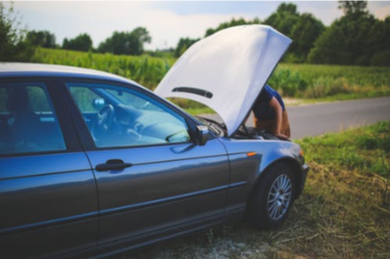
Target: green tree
pixel 331 48
pixel 82 42
pixel 141 36
pixel 231 23
pixel 183 45
pixel 304 33
pixel 381 50
pixel 284 19
pixel 357 38
pixel 44 39
pixel 13 44
pixel 303 29
pixel 359 27
pixel 355 8
pixel 127 43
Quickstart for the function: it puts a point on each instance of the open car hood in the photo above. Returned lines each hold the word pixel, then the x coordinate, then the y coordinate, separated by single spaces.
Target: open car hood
pixel 227 70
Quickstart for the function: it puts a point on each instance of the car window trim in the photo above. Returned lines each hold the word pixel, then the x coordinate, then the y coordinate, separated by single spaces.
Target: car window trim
pixel 70 135
pixel 76 118
pixel 70 144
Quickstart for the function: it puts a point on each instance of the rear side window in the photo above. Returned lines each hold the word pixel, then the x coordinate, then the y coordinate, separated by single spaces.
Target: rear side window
pixel 28 123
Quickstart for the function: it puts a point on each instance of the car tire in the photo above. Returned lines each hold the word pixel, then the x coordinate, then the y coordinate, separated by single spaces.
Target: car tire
pixel 272 197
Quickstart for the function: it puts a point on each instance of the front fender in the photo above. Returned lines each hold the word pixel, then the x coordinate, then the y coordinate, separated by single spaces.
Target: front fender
pixel 276 151
pixel 246 171
pixel 288 153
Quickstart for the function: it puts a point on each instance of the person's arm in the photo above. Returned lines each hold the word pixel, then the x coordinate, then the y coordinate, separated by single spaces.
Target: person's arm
pixel 275 105
pixel 247 117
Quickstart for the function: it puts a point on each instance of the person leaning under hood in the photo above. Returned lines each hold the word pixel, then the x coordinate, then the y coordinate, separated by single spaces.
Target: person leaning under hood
pixel 270 114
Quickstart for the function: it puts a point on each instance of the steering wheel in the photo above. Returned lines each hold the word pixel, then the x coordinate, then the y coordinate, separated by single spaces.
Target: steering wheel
pixel 104 121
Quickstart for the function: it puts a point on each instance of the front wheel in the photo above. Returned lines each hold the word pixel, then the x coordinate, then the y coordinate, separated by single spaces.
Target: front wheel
pixel 272 197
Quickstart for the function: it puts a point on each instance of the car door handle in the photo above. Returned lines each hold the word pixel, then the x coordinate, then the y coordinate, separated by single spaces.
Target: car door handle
pixel 112 164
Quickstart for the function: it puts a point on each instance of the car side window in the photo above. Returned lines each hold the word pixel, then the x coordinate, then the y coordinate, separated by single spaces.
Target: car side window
pixel 120 117
pixel 28 123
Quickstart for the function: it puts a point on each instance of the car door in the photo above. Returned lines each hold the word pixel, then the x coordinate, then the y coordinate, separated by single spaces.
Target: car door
pixel 48 199
pixel 151 175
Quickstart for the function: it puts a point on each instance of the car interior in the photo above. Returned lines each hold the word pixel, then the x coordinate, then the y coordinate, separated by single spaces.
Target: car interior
pixel 27 123
pixel 116 118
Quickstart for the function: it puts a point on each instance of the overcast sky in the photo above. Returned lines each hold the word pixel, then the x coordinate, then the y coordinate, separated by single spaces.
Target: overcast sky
pixel 166 21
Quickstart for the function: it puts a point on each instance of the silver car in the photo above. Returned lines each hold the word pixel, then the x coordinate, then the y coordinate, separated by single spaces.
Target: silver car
pixel 92 164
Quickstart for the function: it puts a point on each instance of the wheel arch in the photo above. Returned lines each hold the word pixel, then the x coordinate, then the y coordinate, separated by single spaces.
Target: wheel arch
pixel 292 163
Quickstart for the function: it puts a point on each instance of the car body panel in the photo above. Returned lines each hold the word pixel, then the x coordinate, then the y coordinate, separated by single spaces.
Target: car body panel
pixel 248 169
pixel 58 205
pixel 196 175
pixel 46 199
pixel 267 151
pixel 226 71
pixel 178 177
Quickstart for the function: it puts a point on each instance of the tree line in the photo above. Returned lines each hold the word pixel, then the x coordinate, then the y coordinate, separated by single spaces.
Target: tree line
pixel 120 43
pixel 357 38
pixel 18 44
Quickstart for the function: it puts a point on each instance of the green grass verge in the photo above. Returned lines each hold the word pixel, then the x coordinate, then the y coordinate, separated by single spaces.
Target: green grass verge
pixel 343 212
pixel 365 150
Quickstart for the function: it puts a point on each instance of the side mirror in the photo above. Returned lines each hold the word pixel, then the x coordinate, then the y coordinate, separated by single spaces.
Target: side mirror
pixel 202 135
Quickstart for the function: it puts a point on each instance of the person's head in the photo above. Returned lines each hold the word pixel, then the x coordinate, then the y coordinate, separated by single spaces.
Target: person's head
pixel 17 100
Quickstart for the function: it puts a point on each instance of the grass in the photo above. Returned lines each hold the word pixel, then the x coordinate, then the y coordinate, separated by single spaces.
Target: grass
pixel 330 82
pixel 309 83
pixel 344 211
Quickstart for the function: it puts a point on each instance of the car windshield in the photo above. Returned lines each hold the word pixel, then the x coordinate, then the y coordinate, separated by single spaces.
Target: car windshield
pixel 139 103
pixel 132 100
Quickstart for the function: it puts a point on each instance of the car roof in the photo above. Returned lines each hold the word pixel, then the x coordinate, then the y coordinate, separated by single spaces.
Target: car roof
pixel 10 69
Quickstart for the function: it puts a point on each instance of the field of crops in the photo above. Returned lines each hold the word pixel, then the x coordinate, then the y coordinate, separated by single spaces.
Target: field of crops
pixel 304 81
pixel 324 81
pixel 147 71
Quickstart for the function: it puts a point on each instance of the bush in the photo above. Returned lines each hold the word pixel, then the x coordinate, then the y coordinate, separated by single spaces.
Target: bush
pixel 289 83
pixel 326 86
pixel 13 43
pixel 381 59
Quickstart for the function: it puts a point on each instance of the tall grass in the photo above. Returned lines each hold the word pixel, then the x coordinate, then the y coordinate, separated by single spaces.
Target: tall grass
pixel 321 81
pixel 365 150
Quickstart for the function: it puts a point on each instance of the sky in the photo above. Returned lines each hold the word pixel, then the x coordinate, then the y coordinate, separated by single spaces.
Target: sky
pixel 166 21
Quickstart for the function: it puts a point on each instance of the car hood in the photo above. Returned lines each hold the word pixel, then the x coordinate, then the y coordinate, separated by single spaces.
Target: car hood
pixel 227 70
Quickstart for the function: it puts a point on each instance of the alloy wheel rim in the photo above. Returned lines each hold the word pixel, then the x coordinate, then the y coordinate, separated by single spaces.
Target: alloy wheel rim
pixel 279 197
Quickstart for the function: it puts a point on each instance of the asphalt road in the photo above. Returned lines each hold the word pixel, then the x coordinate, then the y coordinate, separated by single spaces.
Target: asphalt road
pixel 317 119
